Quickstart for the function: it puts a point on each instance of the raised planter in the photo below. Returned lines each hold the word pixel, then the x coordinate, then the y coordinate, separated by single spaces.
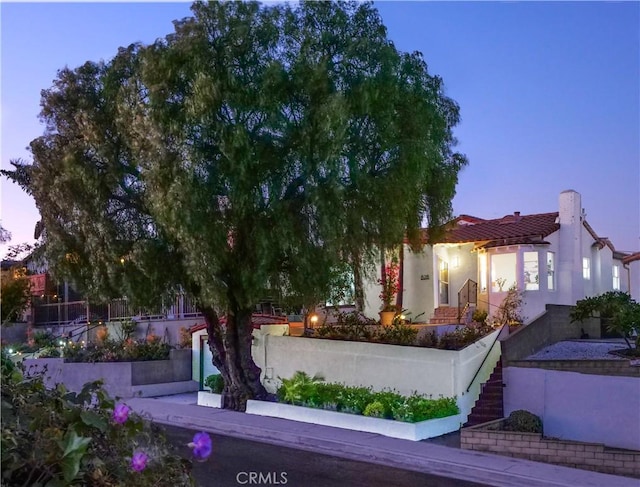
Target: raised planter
pixel 386 427
pixel 121 379
pixel 489 437
pixel 209 399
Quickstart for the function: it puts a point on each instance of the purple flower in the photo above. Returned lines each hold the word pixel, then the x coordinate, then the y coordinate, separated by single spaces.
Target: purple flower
pixel 121 413
pixel 201 445
pixel 139 461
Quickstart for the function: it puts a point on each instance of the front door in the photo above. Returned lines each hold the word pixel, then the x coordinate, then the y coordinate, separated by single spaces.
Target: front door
pixel 443 278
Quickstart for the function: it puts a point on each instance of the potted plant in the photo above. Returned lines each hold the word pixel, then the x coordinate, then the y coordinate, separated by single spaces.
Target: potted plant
pixel 390 287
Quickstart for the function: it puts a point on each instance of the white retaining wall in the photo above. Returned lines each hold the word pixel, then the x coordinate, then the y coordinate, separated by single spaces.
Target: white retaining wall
pixel 405 369
pixel 579 407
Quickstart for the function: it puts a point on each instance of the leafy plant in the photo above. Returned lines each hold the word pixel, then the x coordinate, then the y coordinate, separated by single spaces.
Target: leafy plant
pixel 298 388
pixel 428 338
pixel 398 333
pixel 510 310
pixel 523 421
pixel 479 316
pixel 215 382
pixel 308 391
pixel 15 293
pixel 54 437
pixel 374 409
pixel 390 283
pixel 619 312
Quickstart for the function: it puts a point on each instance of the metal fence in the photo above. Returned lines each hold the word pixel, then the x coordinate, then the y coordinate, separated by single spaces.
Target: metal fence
pixel 78 312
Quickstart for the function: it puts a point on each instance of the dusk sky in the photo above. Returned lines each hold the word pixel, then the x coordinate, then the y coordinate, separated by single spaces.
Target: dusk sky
pixel 549 95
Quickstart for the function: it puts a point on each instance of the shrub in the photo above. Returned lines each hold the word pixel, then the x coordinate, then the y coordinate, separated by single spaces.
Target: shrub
pixel 523 421
pixel 58 438
pixel 479 316
pixel 398 333
pixel 299 388
pixel 428 339
pixel 215 382
pixel 348 326
pixel 312 392
pixel 375 409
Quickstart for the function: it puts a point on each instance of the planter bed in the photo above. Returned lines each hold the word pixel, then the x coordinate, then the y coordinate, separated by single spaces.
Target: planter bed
pixel 386 427
pixel 121 379
pixel 488 437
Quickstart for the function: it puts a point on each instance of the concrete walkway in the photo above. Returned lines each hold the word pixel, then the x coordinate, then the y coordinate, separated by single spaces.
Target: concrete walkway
pixel 181 410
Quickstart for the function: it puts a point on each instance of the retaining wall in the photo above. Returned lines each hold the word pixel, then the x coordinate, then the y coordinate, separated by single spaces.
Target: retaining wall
pixel 533 446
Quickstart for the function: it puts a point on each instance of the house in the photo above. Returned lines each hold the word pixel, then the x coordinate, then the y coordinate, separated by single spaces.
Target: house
pixel 554 258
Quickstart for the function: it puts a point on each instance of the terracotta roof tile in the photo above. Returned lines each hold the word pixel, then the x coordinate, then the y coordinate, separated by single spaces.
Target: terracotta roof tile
pixel 257 320
pixel 514 228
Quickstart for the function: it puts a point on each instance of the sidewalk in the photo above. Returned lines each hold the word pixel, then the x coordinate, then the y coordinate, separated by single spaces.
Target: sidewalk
pixel 181 410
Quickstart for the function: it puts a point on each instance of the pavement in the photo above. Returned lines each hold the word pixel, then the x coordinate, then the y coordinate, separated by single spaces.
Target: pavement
pixel 427 457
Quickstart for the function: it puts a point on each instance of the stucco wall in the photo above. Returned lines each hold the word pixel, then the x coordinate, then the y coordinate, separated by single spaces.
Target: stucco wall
pixel 418 296
pixel 579 407
pixel 551 327
pixel 405 369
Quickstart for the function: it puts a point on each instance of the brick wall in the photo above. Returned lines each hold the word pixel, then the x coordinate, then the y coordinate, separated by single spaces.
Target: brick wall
pixel 532 446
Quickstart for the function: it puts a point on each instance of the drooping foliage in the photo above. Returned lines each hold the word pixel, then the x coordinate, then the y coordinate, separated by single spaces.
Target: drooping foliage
pixel 257 149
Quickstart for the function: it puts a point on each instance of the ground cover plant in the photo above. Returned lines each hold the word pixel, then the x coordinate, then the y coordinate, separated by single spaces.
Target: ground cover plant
pixel 53 437
pixel 121 347
pixel 354 327
pixel 304 390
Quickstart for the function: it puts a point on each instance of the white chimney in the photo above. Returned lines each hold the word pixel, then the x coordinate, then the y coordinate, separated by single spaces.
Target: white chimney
pixel 570 280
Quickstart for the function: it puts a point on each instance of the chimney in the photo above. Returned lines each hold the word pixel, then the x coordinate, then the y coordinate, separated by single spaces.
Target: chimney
pixel 569 259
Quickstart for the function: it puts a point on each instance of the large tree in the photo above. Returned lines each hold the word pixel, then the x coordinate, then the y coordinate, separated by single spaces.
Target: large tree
pixel 256 147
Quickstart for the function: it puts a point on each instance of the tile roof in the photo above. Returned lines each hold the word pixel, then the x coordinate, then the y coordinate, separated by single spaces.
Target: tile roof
pixel 510 229
pixel 257 320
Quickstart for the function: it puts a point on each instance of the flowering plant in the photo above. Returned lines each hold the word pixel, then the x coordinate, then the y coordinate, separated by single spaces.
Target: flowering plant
pixel 390 286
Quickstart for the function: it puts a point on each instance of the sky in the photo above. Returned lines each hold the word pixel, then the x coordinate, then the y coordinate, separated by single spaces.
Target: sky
pixel 548 92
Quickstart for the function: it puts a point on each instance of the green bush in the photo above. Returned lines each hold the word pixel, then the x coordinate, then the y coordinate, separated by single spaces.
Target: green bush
pixel 299 389
pixel 127 350
pixel 304 390
pixel 479 316
pixel 523 421
pixel 215 382
pixel 375 409
pixel 398 333
pixel 52 437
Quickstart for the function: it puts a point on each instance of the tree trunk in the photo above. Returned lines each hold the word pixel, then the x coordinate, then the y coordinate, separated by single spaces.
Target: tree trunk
pixel 399 305
pixel 230 345
pixel 358 286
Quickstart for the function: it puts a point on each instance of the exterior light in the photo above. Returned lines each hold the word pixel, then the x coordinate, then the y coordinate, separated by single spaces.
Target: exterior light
pixel 122 260
pixel 11 350
pixel 455 263
pixel 314 320
pixel 402 317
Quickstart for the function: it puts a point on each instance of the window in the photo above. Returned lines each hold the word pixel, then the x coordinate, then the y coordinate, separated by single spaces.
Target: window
pixel 551 267
pixel 483 273
pixel 503 272
pixel 616 278
pixel 586 268
pixel 531 274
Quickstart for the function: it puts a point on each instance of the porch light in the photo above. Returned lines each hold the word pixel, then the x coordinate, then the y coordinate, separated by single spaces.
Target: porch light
pixel 455 262
pixel 314 320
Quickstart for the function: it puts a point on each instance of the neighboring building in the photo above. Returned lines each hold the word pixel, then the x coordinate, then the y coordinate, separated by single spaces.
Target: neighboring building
pixel 555 258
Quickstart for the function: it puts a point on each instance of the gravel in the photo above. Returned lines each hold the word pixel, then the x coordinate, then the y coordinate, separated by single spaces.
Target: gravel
pixel 579 350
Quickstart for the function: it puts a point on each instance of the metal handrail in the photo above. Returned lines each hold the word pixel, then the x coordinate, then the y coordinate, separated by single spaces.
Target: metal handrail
pixel 485 357
pixel 466 288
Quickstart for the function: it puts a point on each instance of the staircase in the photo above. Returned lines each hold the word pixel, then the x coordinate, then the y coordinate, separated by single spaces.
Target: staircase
pixel 444 315
pixel 489 405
